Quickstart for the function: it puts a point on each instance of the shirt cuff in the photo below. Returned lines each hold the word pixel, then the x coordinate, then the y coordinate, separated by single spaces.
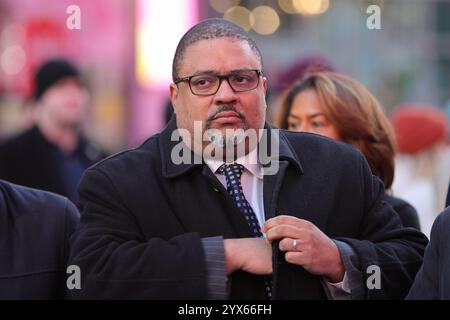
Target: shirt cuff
pixel 353 278
pixel 215 268
pixel 340 290
pixel 343 285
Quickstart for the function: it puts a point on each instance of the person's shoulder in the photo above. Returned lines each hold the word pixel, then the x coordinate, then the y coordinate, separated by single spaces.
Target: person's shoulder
pixel 145 154
pixel 18 141
pixel 408 214
pixel 305 142
pixel 440 237
pixel 443 219
pixel 20 201
pixel 397 203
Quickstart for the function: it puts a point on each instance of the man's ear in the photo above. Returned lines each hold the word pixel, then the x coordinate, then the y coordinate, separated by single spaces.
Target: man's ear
pixel 174 96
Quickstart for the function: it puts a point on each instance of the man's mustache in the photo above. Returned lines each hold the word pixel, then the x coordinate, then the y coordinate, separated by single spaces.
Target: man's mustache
pixel 222 108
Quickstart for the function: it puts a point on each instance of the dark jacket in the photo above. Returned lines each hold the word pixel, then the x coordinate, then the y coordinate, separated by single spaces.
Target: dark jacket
pixel 30 160
pixel 433 279
pixel 408 215
pixel 34 235
pixel 143 217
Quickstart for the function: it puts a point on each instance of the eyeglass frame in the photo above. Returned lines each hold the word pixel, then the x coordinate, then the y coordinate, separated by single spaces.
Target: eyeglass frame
pixel 221 77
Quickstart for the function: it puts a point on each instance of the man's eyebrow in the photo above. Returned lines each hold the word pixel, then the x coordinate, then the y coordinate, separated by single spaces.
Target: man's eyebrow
pixel 206 72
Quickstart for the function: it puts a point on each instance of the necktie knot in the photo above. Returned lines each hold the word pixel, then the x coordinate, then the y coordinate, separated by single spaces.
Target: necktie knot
pixel 231 170
pixel 232 173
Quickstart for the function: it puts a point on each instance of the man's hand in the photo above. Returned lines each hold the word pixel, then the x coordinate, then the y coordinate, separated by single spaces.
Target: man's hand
pixel 307 246
pixel 253 255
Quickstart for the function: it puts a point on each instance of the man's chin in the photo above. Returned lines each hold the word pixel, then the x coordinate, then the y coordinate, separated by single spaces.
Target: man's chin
pixel 224 126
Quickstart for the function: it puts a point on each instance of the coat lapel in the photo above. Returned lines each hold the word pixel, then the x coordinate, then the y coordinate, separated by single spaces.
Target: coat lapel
pixel 271 189
pixel 235 218
pixel 280 155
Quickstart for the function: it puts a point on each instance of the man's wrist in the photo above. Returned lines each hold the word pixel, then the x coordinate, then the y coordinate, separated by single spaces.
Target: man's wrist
pixel 231 256
pixel 338 270
pixel 338 276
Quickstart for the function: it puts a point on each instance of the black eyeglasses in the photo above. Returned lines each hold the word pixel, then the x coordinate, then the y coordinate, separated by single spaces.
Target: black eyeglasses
pixel 208 84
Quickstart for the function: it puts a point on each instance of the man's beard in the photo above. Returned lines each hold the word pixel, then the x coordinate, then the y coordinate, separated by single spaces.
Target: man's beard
pixel 229 138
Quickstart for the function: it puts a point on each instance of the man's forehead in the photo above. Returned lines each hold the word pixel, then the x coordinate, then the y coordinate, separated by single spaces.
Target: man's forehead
pixel 219 55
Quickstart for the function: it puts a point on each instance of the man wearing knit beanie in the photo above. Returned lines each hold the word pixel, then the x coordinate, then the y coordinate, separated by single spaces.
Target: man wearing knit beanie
pixel 53 154
pixel 50 73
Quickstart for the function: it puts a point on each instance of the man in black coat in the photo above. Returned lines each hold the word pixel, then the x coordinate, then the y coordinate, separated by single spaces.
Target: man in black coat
pixel 182 216
pixel 433 279
pixel 34 242
pixel 53 154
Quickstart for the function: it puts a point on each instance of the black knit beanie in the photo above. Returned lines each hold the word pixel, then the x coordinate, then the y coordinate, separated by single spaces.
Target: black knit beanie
pixel 51 72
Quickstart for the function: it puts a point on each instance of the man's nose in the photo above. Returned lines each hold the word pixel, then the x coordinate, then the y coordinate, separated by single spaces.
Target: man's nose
pixel 225 94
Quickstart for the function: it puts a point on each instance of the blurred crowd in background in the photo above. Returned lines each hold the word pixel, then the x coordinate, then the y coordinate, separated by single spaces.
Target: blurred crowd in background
pixel 122 53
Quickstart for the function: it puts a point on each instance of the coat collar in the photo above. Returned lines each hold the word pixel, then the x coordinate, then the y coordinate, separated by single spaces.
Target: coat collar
pixel 172 170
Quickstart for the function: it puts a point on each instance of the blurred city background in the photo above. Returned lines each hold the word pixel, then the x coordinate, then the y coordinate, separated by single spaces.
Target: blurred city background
pixel 125 50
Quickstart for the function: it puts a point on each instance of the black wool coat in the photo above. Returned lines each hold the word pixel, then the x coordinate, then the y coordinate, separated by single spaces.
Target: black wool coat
pixel 143 218
pixel 433 279
pixel 35 227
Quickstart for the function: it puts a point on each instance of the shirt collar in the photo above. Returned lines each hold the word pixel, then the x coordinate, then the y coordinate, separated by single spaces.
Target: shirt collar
pixel 172 170
pixel 249 161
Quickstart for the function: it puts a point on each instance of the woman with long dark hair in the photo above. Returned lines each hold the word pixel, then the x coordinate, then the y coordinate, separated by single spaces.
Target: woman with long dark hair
pixel 339 107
